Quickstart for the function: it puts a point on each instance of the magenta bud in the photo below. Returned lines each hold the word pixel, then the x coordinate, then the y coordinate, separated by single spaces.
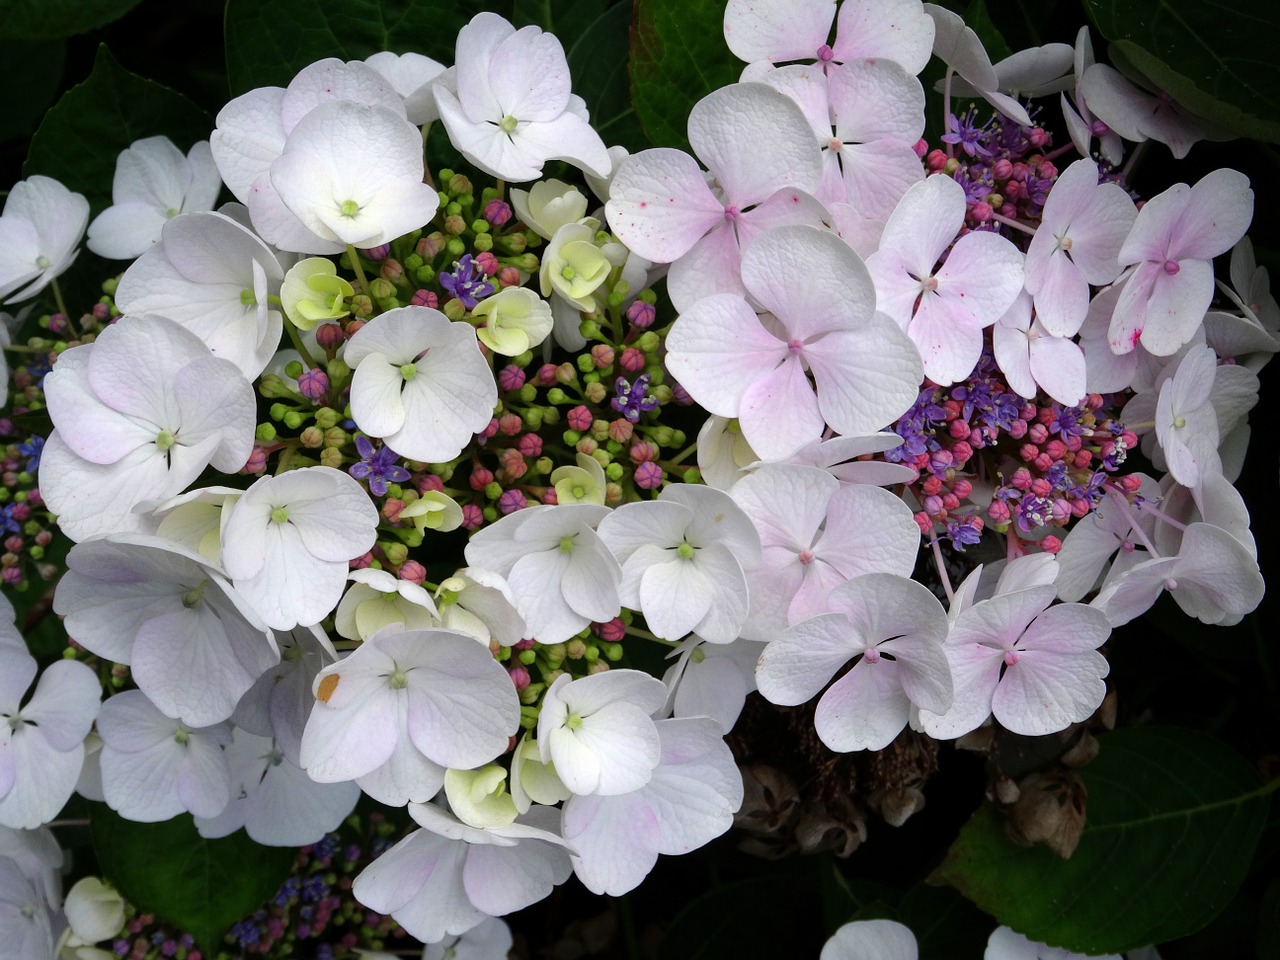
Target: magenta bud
pixel 497 212
pixel 313 384
pixel 380 252
pixel 641 314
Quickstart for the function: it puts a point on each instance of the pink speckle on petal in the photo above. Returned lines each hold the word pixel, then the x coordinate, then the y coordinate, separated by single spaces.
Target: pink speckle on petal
pixel 1135 337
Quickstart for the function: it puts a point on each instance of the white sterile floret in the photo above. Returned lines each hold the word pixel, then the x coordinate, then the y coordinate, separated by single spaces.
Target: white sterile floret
pixel 252 129
pixel 1138 114
pixel 1186 424
pixel 376 600
pixel 599 732
pixel 280 701
pixel 404 706
pixel 41 224
pixel 288 541
pixel 447 878
pixel 194 646
pixel 138 414
pixel 533 781
pixel 214 277
pixel 821 319
pixel 25 921
pixel 871 940
pixel 488 940
pixel 42 740
pixel 154 767
pixel 1034 666
pixel 38 857
pixel 1077 244
pixel 413 76
pixel 351 175
pixel 274 799
pixel 943 310
pixel 561 574
pixel 480 603
pixel 513 109
pixel 959 47
pixel 895 628
pixel 1033 359
pixel 682 559
pixel 816 533
pixel 420 383
pixel 153 182
pixel 711 680
pixel 689 800
pixel 94 912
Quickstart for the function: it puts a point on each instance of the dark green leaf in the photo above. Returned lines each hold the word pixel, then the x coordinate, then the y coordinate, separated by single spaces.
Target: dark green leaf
pixel 1215 57
pixel 82 135
pixel 946 925
pixel 268 43
pixel 978 18
pixel 40 66
pixel 1173 818
pixel 55 19
pixel 200 886
pixel 598 65
pixel 678 56
pixel 567 19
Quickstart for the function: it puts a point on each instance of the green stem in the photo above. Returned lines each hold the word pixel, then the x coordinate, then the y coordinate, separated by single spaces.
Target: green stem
pixel 296 339
pixel 683 453
pixel 358 267
pixel 646 635
pixel 57 296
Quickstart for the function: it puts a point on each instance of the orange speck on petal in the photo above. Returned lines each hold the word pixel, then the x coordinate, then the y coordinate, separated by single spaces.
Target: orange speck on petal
pixel 327 686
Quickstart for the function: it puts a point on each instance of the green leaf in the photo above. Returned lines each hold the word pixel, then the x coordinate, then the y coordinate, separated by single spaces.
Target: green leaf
pixel 200 886
pixel 598 65
pixel 946 925
pixel 55 19
pixel 567 19
pixel 978 19
pixel 1173 818
pixel 1215 57
pixel 110 110
pixel 769 916
pixel 268 43
pixel 678 56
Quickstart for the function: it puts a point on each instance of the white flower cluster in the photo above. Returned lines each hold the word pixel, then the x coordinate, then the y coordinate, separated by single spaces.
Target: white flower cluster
pixel 822 269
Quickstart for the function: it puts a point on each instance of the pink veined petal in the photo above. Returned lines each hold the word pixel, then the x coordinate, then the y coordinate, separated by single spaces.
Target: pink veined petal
pixel 711 266
pixel 1154 225
pixel 897 30
pixel 878 174
pixel 863 710
pixel 1177 305
pixel 660 204
pixel 1046 691
pixel 948 337
pixel 617 840
pixel 787 503
pixel 838 294
pixel 1058 366
pixel 500 880
pixel 985 272
pixel 924 224
pixel 718 349
pixel 876 100
pixel 1129 315
pixel 897 289
pixel 779 411
pixel 419 881
pixel 804 657
pixel 865 379
pixel 1215 218
pixel 755 140
pixel 777 30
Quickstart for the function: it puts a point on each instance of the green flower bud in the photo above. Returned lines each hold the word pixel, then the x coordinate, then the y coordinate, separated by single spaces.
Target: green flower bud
pixel 527 393
pixel 293 419
pixel 266 433
pixel 327 417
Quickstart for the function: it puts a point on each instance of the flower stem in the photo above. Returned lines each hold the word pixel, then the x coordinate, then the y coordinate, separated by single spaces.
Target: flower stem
pixel 296 339
pixel 646 635
pixel 1016 224
pixel 942 569
pixel 57 296
pixel 361 282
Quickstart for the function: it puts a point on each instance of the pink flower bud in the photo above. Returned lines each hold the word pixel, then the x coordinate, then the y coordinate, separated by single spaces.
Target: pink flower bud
pixel 579 418
pixel 510 378
pixel 413 571
pixel 649 475
pixel 641 315
pixel 510 424
pixel 632 360
pixel 496 213
pixel 487 262
pixel 429 481
pixel 425 298
pixel 480 478
pixel 530 445
pixel 1050 544
pixel 472 516
pixel 313 384
pixel 511 501
pixel 329 335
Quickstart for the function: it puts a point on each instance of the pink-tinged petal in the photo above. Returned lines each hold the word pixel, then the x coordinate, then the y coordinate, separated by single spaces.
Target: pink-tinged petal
pixel 984 272
pixel 249 135
pixel 528 76
pixel 777 30
pixel 865 379
pixel 868 530
pixel 1047 691
pixel 1105 370
pixel 1067 628
pixel 779 412
pixel 948 337
pixel 1060 289
pixel 924 223
pixel 1128 596
pixel 1216 216
pixel 1216 575
pixel 711 266
pixel 279 225
pixel 897 290
pixel 501 880
pixel 616 839
pixel 1154 225
pixel 863 710
pixel 837 293
pixel 718 349
pixel 786 207
pixel 696 788
pixel 1129 315
pixel 755 140
pixel 1058 366
pixel 878 174
pixel 1177 305
pixel 1001 620
pixel 91 499
pixel 958 46
pixel 660 204
pixel 804 657
pixel 975 671
pixel 91 429
pixel 806 85
pixel 1011 347
pixel 877 100
pixel 897 30
pixel 419 882
pixel 1101 234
